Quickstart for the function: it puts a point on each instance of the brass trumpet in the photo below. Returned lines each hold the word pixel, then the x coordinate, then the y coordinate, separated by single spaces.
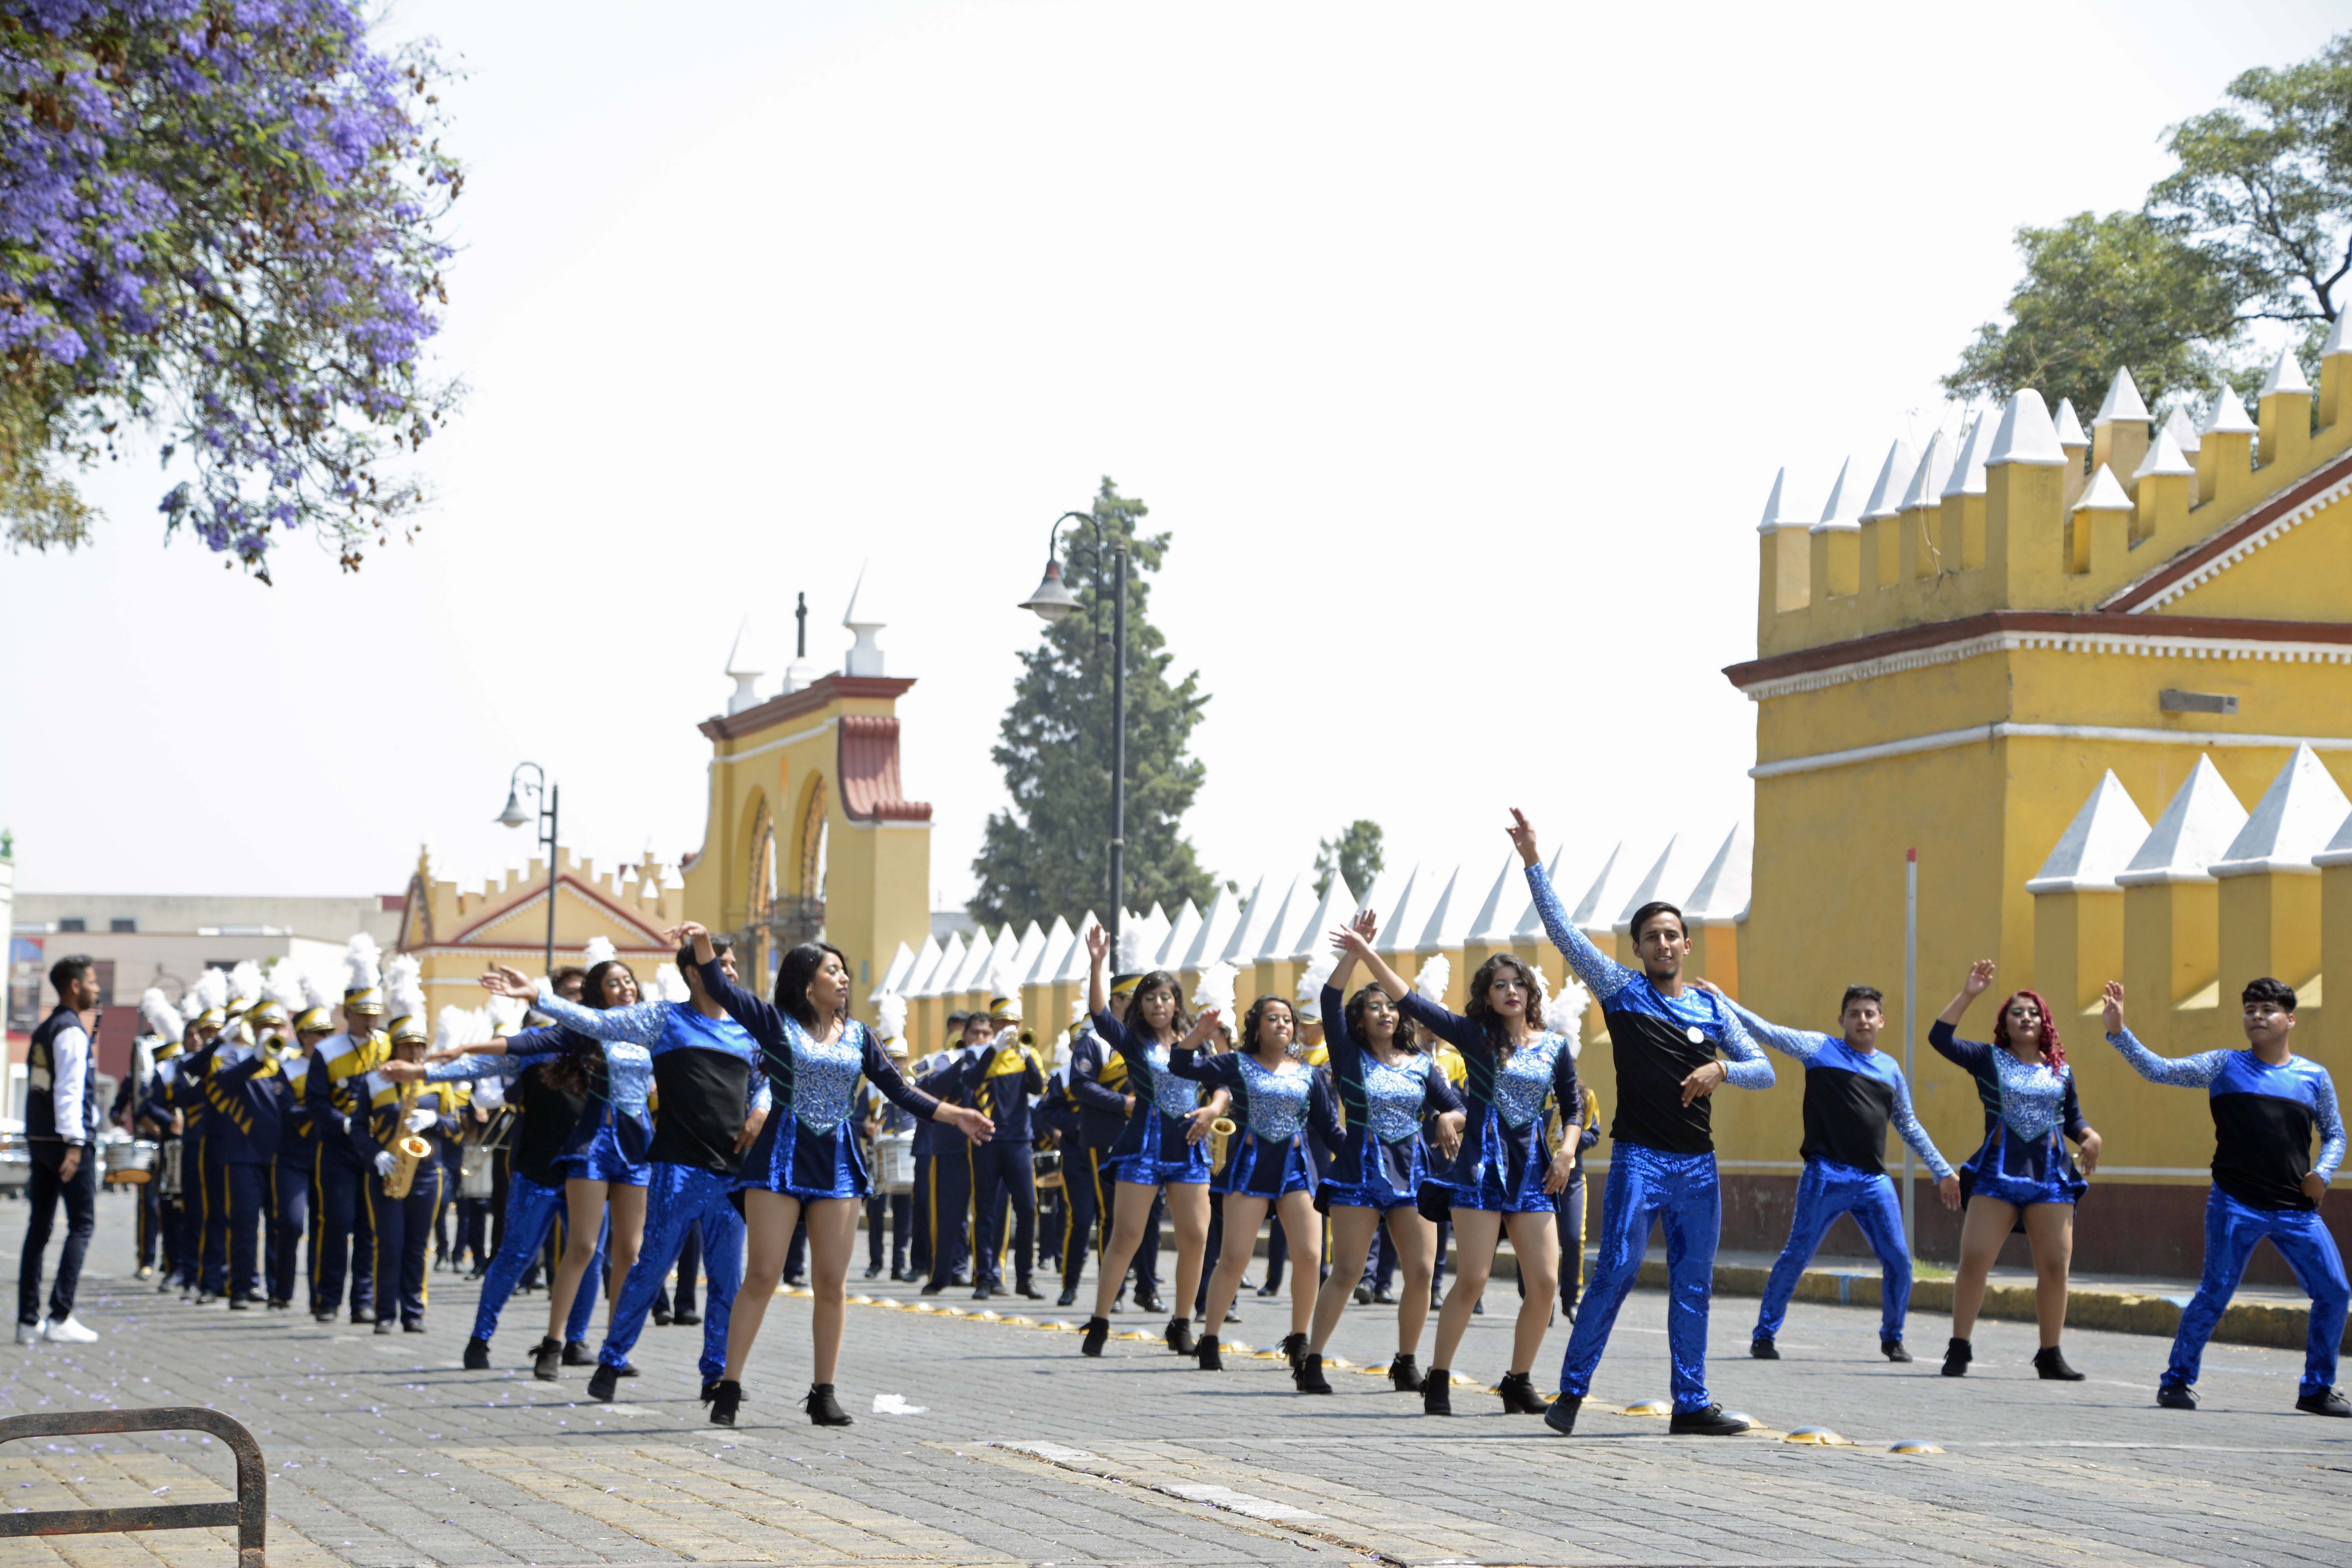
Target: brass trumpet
pixel 406 1153
pixel 1221 1132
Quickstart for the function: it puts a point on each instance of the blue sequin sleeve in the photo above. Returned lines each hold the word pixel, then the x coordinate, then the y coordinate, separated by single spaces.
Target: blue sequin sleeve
pixel 1222 1070
pixel 2331 1124
pixel 641 1024
pixel 1802 1044
pixel 1603 976
pixel 1749 1067
pixel 2182 1072
pixel 1906 1123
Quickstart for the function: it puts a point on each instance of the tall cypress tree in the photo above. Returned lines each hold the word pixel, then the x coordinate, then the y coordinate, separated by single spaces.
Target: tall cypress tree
pixel 1050 854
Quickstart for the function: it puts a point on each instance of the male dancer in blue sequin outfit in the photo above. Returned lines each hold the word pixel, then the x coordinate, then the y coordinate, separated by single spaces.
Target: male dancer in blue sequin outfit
pixel 1666 1036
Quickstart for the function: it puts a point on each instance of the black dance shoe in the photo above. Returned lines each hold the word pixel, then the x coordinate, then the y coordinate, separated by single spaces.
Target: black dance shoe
pixel 1560 1414
pixel 322 1317
pixel 1179 1336
pixel 205 1297
pixel 710 1389
pixel 2326 1402
pixel 387 1326
pixel 900 1275
pixel 661 1316
pixel 1437 1392
pixel 1712 1422
pixel 477 1356
pixel 1404 1377
pixel 1293 1348
pixel 685 1320
pixel 1068 1297
pixel 1307 1376
pixel 1519 1395
pixel 1363 1296
pixel 823 1409
pixel 238 1304
pixel 1028 1292
pixel 932 1286
pixel 1147 1300
pixel 577 1353
pixel 1384 1296
pixel 1893 1350
pixel 725 1395
pixel 2052 1365
pixel 415 1328
pixel 1210 1357
pixel 2176 1397
pixel 362 1314
pixel 1956 1356
pixel 602 1383
pixel 1762 1348
pixel 874 1271
pixel 1269 1290
pixel 546 1361
pixel 627 1369
pixel 1098 1331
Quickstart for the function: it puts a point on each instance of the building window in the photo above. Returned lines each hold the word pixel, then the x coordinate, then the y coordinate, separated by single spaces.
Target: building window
pixel 103 970
pixel 73 922
pixel 122 923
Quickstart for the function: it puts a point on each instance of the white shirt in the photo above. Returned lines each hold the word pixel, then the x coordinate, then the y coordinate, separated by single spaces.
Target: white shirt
pixel 69 1064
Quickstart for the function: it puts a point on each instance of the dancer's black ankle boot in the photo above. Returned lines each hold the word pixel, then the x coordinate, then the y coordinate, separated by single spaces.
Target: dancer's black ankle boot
pixel 1179 1336
pixel 1308 1378
pixel 725 1396
pixel 823 1410
pixel 1209 1354
pixel 547 1362
pixel 2052 1365
pixel 1098 1331
pixel 1519 1396
pixel 1956 1356
pixel 1294 1350
pixel 1404 1376
pixel 1437 1392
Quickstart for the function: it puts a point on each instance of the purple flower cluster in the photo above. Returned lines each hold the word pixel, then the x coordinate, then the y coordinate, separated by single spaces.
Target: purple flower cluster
pixel 220 217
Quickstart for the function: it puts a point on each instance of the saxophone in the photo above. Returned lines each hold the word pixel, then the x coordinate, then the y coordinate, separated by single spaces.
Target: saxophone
pixel 408 1151
pixel 1221 1132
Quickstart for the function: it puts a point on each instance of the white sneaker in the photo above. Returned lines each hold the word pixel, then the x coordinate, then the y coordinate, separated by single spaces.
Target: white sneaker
pixel 68 1331
pixel 28 1333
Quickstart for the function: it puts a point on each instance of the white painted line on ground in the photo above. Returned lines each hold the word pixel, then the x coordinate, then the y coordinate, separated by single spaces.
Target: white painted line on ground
pixel 1240 1502
pixel 1054 1453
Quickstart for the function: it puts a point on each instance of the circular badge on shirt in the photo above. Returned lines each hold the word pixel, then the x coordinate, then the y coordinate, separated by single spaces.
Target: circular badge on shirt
pixel 1697 1036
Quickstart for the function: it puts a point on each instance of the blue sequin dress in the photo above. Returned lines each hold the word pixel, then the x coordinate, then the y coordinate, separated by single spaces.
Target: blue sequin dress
pixel 2023 1160
pixel 616 1130
pixel 1153 1149
pixel 1275 1106
pixel 1381 1160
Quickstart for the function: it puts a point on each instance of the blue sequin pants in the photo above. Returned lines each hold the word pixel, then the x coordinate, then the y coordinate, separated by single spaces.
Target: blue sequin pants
pixel 1826 1191
pixel 676 1197
pixel 2232 1229
pixel 1680 1192
pixel 534 1210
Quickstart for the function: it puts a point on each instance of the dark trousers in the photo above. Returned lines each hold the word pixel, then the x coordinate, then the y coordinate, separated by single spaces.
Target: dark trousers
pixel 689 1264
pixel 918 1248
pixel 43 1188
pixel 403 1231
pixel 289 1223
pixel 235 1199
pixel 1080 1209
pixel 1570 1217
pixel 1380 1263
pixel 151 1214
pixel 951 1194
pixel 342 1234
pixel 1002 1173
pixel 897 1208
pixel 194 1195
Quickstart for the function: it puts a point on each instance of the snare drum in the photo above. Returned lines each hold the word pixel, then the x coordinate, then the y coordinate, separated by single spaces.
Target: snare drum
pixel 476 1176
pixel 168 1182
pixel 894 1161
pixel 132 1163
pixel 1045 1167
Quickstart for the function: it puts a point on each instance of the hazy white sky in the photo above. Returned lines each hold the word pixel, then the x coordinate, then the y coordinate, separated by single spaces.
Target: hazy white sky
pixel 1456 345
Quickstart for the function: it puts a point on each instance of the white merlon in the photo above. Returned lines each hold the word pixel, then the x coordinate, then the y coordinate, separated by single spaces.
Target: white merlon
pixel 894 978
pixel 2290 824
pixel 1181 933
pixel 1078 963
pixel 2336 343
pixel 2286 375
pixel 2122 402
pixel 951 959
pixel 1506 904
pixel 1031 948
pixel 1839 513
pixel 1894 477
pixel 1968 475
pixel 2228 415
pixel 2070 428
pixel 2183 431
pixel 1449 923
pixel 1775 516
pixel 2163 457
pixel 1720 896
pixel 743 669
pixel 2105 494
pixel 1276 926
pixel 863 618
pixel 1051 954
pixel 1531 923
pixel 2338 851
pixel 1217 922
pixel 1927 478
pixel 2097 845
pixel 927 962
pixel 2194 831
pixel 1311 938
pixel 1598 908
pixel 1400 924
pixel 1671 877
pixel 2025 435
pixel 1242 941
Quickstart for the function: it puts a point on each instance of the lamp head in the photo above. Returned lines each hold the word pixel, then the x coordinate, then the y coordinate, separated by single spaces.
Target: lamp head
pixel 514 815
pixel 1053 600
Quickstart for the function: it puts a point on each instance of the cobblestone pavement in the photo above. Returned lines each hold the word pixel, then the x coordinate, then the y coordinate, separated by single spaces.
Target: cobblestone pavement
pixel 382 1452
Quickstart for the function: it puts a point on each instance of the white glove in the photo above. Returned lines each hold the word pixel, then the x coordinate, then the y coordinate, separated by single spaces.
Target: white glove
pixel 418 1120
pixel 385 1162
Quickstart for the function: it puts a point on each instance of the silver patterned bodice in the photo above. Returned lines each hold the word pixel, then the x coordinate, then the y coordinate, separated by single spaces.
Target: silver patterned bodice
pixel 1394 1096
pixel 2033 1098
pixel 629 1073
pixel 1175 1097
pixel 1525 1079
pixel 1277 1099
pixel 823 1075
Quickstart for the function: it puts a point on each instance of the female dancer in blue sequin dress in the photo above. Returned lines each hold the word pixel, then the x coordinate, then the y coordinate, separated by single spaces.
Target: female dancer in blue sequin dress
pixel 2022 1177
pixel 1387 1087
pixel 808 1162
pixel 1275 1096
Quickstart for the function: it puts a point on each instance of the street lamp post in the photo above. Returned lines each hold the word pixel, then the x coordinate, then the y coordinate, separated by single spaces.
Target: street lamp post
pixel 515 816
pixel 1051 603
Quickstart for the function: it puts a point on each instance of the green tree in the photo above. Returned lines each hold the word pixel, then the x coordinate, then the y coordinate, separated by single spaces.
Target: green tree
pixel 1355 857
pixel 1050 854
pixel 2255 223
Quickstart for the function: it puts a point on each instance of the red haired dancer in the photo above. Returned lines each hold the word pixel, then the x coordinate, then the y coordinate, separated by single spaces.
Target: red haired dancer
pixel 2022 1177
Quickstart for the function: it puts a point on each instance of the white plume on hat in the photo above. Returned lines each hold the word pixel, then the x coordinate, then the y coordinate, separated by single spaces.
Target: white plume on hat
pixel 211 990
pixel 315 992
pixel 461 1026
pixel 1132 958
pixel 1435 976
pixel 599 950
pixel 1561 1012
pixel 1216 988
pixel 505 1014
pixel 1078 1014
pixel 284 987
pixel 1315 977
pixel 890 1015
pixel 162 1019
pixel 245 984
pixel 363 964
pixel 405 987
pixel 670 985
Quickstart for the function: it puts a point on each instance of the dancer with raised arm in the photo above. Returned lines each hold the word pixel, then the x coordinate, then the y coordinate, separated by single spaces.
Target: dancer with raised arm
pixel 1377 1170
pixel 2021 1178
pixel 1504 1176
pixel 1853 1090
pixel 1162 1146
pixel 2267 1103
pixel 1670 1041
pixel 806 1163
pixel 1267 1164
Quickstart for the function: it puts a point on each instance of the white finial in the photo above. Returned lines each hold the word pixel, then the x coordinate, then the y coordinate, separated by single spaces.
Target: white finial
pixel 2290 824
pixel 2122 402
pixel 863 618
pixel 2025 435
pixel 1927 478
pixel 2183 431
pixel 1839 513
pixel 743 669
pixel 2163 457
pixel 2070 428
pixel 2228 416
pixel 1894 477
pixel 1774 517
pixel 2098 844
pixel 2105 494
pixel 2286 375
pixel 1968 475
pixel 2336 343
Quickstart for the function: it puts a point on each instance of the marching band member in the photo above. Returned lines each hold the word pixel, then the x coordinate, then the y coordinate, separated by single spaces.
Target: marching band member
pixel 1006 1074
pixel 886 1212
pixel 187 1091
pixel 345 1234
pixel 159 1108
pixel 403 1188
pixel 1067 1116
pixel 927 1137
pixel 139 1118
pixel 1386 1088
pixel 241 1115
pixel 805 1164
pixel 949 1199
pixel 294 1175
